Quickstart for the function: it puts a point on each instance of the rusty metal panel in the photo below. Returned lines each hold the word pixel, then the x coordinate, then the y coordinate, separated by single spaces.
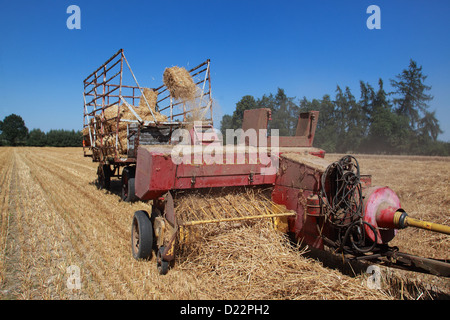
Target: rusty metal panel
pixel 303 226
pixel 366 180
pixel 289 197
pixel 294 141
pixel 300 171
pixel 306 125
pixel 223 181
pixel 155 174
pixel 256 119
pixel 217 170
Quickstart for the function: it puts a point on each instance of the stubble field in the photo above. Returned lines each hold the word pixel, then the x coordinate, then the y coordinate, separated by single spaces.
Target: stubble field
pixel 54 217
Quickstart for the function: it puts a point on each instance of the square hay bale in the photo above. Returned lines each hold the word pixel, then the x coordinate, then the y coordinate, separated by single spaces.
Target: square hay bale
pixel 85 131
pixel 151 96
pixel 180 83
pixel 111 128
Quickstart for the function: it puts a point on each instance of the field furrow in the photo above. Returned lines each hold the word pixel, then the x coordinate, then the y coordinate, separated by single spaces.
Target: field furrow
pixel 98 227
pixel 6 168
pixel 95 237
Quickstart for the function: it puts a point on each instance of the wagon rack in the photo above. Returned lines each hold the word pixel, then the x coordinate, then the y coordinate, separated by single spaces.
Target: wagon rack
pixel 105 88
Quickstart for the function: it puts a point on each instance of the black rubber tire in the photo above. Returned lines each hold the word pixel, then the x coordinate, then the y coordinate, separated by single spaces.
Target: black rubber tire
pixel 141 236
pixel 104 177
pixel 128 189
pixel 161 264
pixel 131 193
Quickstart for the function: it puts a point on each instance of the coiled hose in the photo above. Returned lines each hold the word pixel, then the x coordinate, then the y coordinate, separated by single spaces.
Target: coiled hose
pixel 341 196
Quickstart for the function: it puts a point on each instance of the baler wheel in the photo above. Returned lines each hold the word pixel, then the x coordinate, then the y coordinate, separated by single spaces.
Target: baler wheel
pixel 141 236
pixel 161 264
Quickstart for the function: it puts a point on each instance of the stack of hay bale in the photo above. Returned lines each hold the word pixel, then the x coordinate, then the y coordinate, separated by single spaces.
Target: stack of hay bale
pixel 118 112
pixel 181 87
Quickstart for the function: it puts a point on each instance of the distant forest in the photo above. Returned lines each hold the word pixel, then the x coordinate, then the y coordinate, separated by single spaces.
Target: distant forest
pixel 13 132
pixel 380 122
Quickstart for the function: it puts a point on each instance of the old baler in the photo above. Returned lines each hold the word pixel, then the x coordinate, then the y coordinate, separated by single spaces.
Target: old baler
pixel 324 204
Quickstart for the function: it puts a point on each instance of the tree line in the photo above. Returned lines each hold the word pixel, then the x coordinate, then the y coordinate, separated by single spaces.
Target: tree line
pixel 396 122
pixel 13 132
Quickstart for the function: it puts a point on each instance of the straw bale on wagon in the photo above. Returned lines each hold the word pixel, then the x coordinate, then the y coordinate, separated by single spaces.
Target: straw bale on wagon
pixel 180 83
pixel 121 112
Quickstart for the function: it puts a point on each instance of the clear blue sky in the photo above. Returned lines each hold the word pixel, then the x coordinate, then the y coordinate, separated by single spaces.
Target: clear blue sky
pixel 304 47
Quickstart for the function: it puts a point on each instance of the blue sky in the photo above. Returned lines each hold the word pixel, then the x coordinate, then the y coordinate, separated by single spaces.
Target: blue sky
pixel 255 47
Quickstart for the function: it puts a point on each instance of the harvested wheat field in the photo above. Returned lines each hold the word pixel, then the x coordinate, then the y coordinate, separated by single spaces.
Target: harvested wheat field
pixel 53 217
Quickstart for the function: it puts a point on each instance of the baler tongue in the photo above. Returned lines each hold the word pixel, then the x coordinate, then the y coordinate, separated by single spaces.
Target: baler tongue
pixel 390 217
pixel 432 226
pixel 202 208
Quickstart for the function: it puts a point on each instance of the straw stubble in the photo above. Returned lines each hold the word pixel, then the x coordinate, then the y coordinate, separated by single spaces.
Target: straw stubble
pixel 53 217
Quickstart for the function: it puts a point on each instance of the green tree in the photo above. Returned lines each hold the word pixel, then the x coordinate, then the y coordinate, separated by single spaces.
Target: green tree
pixel 374 123
pixel 37 138
pixel 411 98
pixel 235 120
pixel 429 127
pixel 350 121
pixel 266 101
pixel 246 103
pixel 387 131
pixel 64 138
pixel 225 123
pixel 284 114
pixel 14 130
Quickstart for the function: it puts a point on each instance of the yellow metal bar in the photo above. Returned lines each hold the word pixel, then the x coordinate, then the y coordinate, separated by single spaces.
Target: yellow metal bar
pixel 427 225
pixel 193 223
pixel 274 206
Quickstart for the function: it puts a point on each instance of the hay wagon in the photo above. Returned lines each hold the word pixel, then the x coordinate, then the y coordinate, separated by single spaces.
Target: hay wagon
pixel 121 116
pixel 161 144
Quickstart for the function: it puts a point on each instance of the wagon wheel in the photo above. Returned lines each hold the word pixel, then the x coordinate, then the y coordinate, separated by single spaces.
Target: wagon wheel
pixel 161 264
pixel 128 194
pixel 104 176
pixel 141 236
